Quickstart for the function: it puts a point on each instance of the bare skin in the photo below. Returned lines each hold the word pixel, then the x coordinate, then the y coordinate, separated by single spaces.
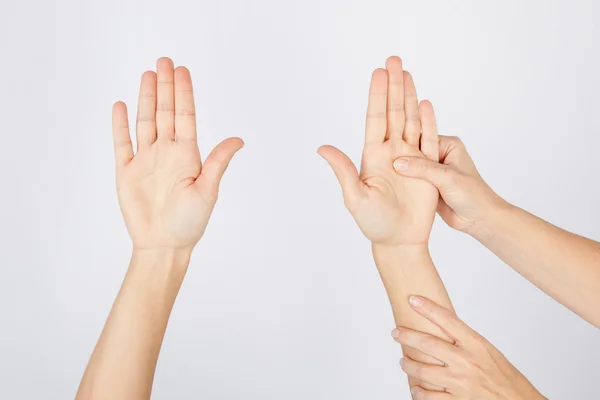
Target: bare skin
pixel 472 368
pixel 166 196
pixel 564 265
pixel 396 213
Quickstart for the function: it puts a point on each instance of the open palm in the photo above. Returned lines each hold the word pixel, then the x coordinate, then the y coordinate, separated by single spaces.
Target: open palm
pixel 165 193
pixel 389 208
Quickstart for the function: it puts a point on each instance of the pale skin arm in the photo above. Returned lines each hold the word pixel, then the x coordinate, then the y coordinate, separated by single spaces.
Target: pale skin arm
pixel 166 196
pixel 396 214
pixel 123 363
pixel 564 265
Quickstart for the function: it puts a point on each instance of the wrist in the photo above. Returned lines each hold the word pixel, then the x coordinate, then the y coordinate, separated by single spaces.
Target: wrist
pixel 167 254
pixel 161 263
pixel 400 256
pixel 492 221
pixel 417 248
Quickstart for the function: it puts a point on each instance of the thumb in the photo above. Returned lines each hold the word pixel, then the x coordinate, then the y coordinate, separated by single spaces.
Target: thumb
pixel 345 171
pixel 217 161
pixel 440 175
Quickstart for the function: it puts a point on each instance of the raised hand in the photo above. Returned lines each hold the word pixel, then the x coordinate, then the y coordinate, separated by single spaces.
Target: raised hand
pixel 391 209
pixel 165 192
pixel 166 196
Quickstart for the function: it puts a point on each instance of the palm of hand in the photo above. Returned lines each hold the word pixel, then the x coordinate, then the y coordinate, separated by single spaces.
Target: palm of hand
pixel 396 209
pixel 160 203
pixel 165 193
pixel 389 208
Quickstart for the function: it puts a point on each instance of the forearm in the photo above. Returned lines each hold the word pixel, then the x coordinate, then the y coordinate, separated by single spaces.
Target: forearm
pixel 564 265
pixel 406 271
pixel 123 363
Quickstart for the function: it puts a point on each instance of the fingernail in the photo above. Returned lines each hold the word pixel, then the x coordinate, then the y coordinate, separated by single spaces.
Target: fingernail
pixel 413 391
pixel 395 333
pixel 400 165
pixel 402 362
pixel 415 301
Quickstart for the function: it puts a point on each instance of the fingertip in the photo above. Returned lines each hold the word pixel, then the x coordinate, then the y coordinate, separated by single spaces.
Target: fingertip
pixel 119 106
pixel 181 73
pixel 379 73
pixel 231 144
pixel 324 150
pixel 393 62
pixel 426 110
pixel 148 75
pixel 239 142
pixel 119 113
pixel 323 147
pixel 182 69
pixel 401 165
pixel 164 62
pixel 416 301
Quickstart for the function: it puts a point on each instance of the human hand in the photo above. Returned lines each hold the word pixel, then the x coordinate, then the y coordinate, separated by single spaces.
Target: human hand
pixel 466 199
pixel 473 368
pixel 391 209
pixel 165 192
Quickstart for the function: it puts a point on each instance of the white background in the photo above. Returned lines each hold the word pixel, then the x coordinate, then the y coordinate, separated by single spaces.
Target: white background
pixel 282 299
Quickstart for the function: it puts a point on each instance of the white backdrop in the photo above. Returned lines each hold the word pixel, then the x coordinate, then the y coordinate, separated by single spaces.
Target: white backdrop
pixel 282 299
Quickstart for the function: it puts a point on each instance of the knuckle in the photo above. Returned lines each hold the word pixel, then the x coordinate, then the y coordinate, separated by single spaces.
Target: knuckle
pixel 405 337
pixel 450 175
pixel 146 118
pixel 455 140
pixel 185 112
pixel 480 341
pixel 428 310
pixel 421 373
pixel 422 165
pixel 452 321
pixel 164 107
pixel 376 115
pixel 395 107
pixel 123 143
pixel 147 97
pixel 427 343
pixel 413 118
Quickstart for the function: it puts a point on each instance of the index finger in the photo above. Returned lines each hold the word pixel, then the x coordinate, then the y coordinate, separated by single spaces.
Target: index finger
pixel 376 108
pixel 447 320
